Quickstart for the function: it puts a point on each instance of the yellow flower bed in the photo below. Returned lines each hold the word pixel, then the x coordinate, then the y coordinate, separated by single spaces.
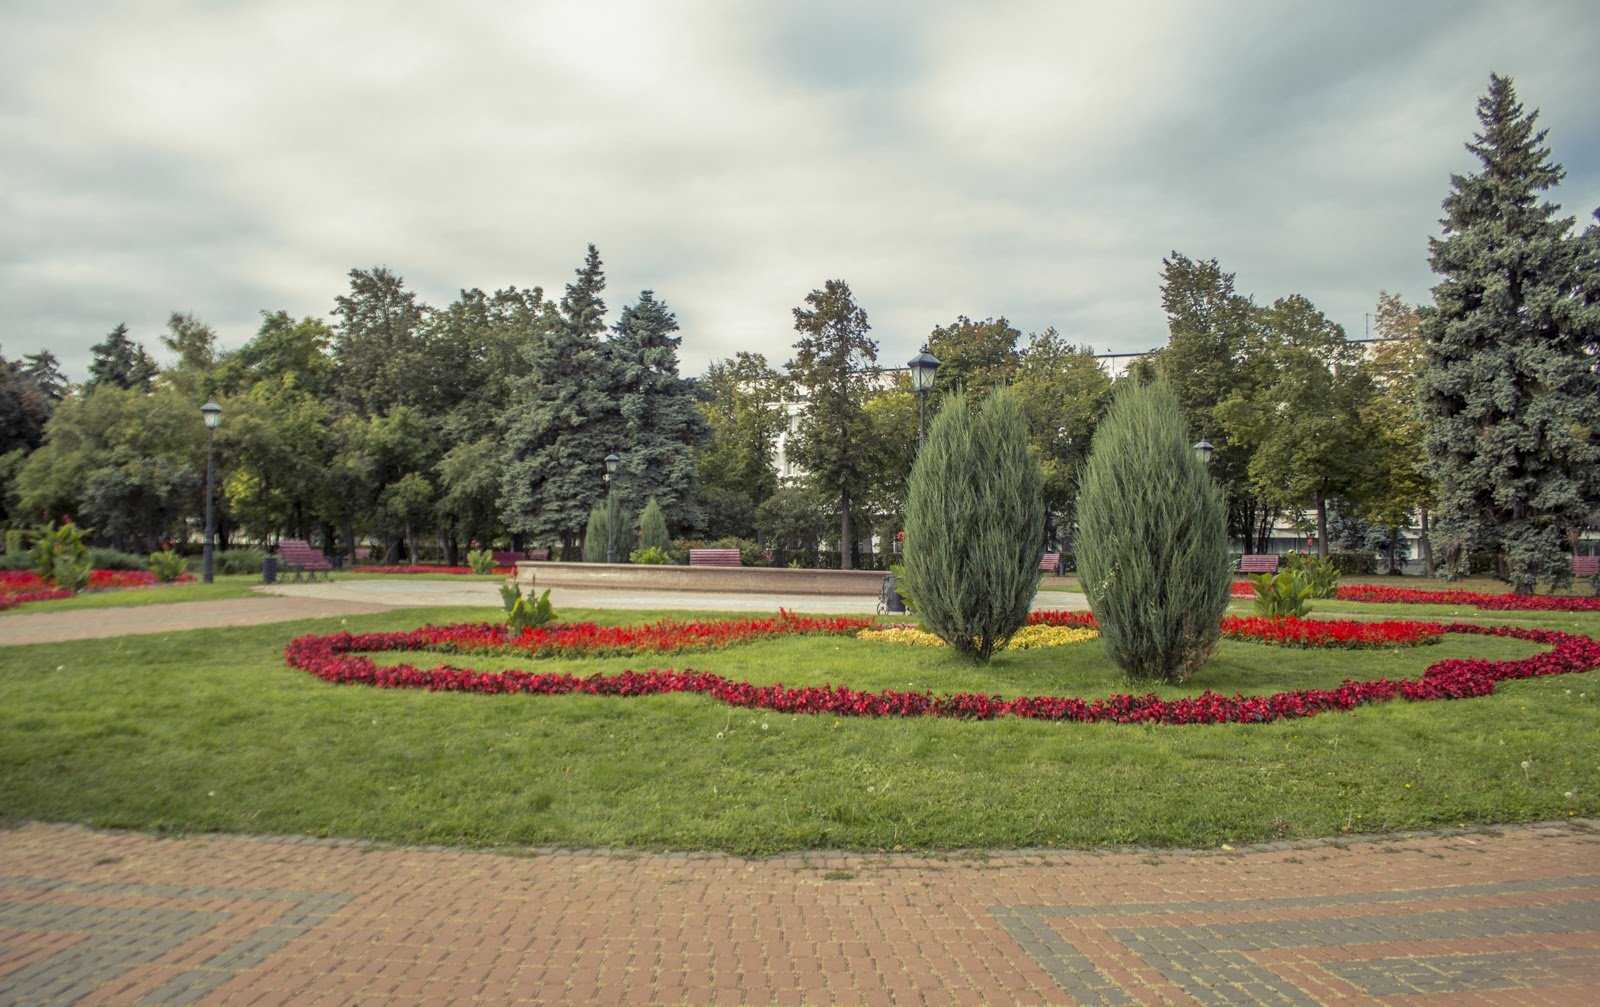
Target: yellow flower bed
pixel 1026 638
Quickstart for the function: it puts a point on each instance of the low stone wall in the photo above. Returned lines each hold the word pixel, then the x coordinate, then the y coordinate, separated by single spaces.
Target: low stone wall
pixel 742 580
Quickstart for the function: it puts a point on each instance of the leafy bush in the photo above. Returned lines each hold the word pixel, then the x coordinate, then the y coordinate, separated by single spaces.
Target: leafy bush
pixel 1286 594
pixel 525 613
pixel 1354 564
pixel 481 560
pixel 1152 543
pixel 974 520
pixel 653 529
pixel 1322 575
pixel 113 559
pixel 650 556
pixel 168 566
pixel 60 557
pixel 234 561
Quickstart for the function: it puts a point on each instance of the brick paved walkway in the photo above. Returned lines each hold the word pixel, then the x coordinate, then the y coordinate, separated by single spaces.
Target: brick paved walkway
pixel 117 918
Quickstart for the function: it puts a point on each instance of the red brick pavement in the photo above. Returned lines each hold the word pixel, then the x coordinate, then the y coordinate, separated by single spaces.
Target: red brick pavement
pixel 1509 916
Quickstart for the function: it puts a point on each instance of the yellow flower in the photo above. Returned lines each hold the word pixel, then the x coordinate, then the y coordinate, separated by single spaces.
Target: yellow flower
pixel 1026 638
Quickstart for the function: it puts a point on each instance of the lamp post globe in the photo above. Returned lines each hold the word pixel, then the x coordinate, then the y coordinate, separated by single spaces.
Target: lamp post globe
pixel 212 414
pixel 924 366
pixel 1202 451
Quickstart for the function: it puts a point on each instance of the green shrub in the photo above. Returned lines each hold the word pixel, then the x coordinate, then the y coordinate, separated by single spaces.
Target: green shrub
pixel 481 561
pixel 608 522
pixel 525 613
pixel 650 556
pixel 1152 544
pixel 60 557
pixel 1322 575
pixel 115 559
pixel 653 529
pixel 168 566
pixel 974 520
pixel 1284 594
pixel 234 561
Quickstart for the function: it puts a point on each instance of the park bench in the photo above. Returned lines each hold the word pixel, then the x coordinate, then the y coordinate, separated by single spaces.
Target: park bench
pixel 304 561
pixel 539 555
pixel 1050 563
pixel 1586 566
pixel 507 557
pixel 1258 564
pixel 713 557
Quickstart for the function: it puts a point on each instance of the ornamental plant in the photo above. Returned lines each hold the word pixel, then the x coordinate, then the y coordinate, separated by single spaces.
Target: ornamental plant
pixel 60 556
pixel 1322 575
pixel 653 529
pixel 167 565
pixel 1283 595
pixel 974 521
pixel 481 561
pixel 650 556
pixel 525 613
pixel 1152 544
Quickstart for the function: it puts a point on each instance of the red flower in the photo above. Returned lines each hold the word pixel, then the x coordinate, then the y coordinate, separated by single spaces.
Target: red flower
pixel 333 659
pixel 1385 595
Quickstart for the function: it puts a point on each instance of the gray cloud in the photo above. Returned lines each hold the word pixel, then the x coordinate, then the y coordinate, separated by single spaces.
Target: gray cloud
pixel 1035 160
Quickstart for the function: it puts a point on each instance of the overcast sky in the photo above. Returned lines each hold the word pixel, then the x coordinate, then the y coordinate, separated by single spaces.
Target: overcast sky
pixel 1032 160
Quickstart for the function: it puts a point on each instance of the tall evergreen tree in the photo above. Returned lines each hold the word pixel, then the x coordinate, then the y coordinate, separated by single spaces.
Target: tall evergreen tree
pixel 660 422
pixel 831 369
pixel 119 361
pixel 1509 392
pixel 564 419
pixel 44 370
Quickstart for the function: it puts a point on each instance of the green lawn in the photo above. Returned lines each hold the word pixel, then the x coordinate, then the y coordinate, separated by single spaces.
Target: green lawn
pixel 210 730
pixel 235 586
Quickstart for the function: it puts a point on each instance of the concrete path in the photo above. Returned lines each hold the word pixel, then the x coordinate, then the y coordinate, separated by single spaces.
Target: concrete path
pixel 136 620
pixel 288 602
pixel 400 593
pixel 1507 917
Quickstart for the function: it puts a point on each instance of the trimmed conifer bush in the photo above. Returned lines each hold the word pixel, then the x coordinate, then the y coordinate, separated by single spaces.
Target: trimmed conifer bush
pixel 653 528
pixel 974 523
pixel 1152 542
pixel 595 536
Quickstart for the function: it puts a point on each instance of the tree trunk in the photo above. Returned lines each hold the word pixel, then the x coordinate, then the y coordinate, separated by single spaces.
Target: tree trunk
pixel 844 532
pixel 350 538
pixel 1394 545
pixel 452 548
pixel 1427 545
pixel 1322 525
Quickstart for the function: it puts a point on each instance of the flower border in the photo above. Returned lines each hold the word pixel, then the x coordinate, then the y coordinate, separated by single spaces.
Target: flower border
pixel 331 658
pixel 1382 594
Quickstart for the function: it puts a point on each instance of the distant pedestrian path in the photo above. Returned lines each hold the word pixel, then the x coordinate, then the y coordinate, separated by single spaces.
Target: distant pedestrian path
pixel 290 602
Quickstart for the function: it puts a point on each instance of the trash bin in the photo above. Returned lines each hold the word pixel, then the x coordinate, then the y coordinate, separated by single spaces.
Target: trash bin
pixel 269 569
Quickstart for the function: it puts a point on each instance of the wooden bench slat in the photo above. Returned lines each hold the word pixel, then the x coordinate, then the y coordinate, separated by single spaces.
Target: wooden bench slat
pixel 1585 566
pixel 1050 562
pixel 1258 563
pixel 714 557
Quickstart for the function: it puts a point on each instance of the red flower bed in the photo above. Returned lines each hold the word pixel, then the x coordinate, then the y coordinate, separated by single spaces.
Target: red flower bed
pixel 20 586
pixel 1062 617
pixel 331 659
pixel 1382 594
pixel 504 571
pixel 585 639
pixel 1291 632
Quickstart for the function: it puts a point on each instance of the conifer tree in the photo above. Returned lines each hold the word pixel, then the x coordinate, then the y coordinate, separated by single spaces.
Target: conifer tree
pixel 1509 392
pixel 1152 546
pixel 974 521
pixel 121 362
pixel 661 423
pixel 653 532
pixel 563 419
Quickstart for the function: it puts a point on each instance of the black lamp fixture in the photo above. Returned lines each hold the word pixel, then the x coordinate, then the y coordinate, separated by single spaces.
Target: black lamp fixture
pixel 613 462
pixel 923 367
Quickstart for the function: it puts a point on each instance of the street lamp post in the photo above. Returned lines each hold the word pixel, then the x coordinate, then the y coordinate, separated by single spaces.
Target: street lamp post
pixel 922 366
pixel 213 417
pixel 1202 451
pixel 613 460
